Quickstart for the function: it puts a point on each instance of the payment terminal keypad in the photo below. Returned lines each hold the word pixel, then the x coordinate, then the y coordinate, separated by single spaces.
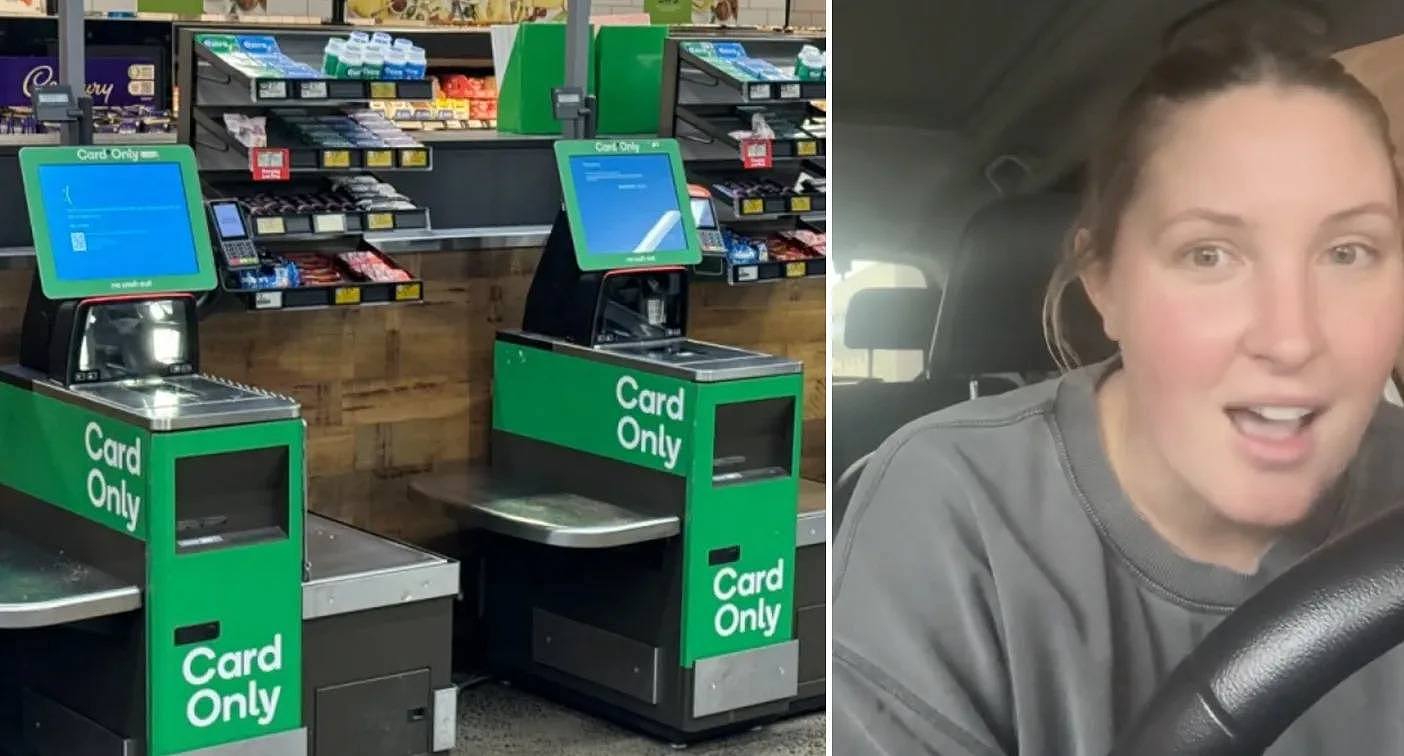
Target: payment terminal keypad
pixel 232 234
pixel 711 240
pixel 240 254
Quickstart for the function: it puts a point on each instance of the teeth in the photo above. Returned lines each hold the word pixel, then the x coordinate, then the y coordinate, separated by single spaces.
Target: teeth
pixel 1280 414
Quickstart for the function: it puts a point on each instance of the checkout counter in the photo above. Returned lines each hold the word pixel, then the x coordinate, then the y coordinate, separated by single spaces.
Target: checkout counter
pixel 636 533
pixel 163 589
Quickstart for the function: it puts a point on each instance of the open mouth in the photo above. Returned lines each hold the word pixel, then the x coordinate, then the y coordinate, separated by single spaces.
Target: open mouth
pixel 1272 422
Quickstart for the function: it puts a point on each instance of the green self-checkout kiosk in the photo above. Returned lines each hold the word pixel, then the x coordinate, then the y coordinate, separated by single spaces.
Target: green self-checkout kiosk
pixel 636 529
pixel 163 589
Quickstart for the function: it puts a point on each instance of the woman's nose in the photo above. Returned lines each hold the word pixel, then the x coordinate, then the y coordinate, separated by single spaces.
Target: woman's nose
pixel 1284 329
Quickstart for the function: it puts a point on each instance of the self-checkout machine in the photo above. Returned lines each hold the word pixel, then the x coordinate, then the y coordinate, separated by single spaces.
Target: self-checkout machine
pixel 162 588
pixel 636 527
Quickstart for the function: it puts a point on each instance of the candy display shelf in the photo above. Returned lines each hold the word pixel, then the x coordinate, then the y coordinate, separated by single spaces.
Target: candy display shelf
pixel 52 138
pixel 719 122
pixel 348 292
pixel 218 150
pixel 738 274
pixel 705 71
pixel 714 87
pixel 307 223
pixel 312 209
pixel 223 85
pixel 741 198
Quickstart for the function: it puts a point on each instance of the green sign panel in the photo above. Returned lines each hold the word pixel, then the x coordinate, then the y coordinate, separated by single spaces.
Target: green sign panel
pixel 611 173
pixel 747 603
pixel 635 417
pixel 244 679
pixel 46 207
pixel 667 424
pixel 74 458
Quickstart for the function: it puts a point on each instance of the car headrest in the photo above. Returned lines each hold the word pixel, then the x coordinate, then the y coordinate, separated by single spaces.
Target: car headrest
pixel 991 314
pixel 891 318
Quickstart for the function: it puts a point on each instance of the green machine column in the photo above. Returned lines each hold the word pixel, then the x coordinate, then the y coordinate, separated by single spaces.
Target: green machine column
pixel 225 623
pixel 196 482
pixel 738 538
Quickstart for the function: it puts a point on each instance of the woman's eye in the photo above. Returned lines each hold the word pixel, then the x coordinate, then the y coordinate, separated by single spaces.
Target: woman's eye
pixel 1349 254
pixel 1207 256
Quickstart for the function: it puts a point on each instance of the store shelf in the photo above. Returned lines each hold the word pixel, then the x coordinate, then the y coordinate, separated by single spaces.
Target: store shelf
pixel 720 267
pixel 769 206
pixel 52 138
pixel 346 293
pixel 716 122
pixel 217 150
pixel 350 294
pixel 317 225
pixel 757 91
pixel 478 135
pixel 223 85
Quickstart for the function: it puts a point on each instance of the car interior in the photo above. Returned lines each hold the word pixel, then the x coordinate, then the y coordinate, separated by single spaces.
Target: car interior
pixel 965 141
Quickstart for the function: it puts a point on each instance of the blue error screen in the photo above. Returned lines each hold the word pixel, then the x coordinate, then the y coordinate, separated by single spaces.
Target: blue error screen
pixel 628 204
pixel 117 221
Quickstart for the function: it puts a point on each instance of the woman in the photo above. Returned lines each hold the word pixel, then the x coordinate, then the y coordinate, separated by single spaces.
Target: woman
pixel 1018 573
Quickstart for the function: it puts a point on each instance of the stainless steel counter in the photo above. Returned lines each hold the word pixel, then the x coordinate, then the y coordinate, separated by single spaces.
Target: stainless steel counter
pixel 352 570
pixel 40 587
pixel 553 518
pixel 688 359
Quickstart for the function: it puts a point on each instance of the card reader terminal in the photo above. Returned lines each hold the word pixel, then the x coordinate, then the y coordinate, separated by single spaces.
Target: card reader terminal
pixel 232 234
pixel 708 233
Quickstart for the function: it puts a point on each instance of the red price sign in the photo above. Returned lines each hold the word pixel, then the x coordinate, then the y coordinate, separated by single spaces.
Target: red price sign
pixel 269 163
pixel 757 153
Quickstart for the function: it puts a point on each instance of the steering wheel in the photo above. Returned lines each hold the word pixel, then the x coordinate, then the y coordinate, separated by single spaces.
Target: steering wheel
pixel 1282 650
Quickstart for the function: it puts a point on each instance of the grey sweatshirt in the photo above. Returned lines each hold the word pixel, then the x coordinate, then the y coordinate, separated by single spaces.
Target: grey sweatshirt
pixel 995 592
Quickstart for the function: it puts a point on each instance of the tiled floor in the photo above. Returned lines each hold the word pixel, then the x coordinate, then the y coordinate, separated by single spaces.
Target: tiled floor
pixel 497 719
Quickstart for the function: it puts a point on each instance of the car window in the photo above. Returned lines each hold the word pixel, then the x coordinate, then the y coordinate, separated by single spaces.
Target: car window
pixel 882 364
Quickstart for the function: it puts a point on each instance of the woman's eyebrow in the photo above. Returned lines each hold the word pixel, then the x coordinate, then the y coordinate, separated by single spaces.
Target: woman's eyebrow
pixel 1201 213
pixel 1368 208
pixel 1233 221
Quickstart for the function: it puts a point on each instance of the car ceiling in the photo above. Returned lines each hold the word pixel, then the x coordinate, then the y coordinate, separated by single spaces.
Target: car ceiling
pixel 1027 78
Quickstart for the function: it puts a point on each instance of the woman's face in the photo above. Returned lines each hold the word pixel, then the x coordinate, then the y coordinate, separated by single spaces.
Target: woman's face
pixel 1256 288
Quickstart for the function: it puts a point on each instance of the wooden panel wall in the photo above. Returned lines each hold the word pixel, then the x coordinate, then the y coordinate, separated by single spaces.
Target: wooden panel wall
pixel 391 392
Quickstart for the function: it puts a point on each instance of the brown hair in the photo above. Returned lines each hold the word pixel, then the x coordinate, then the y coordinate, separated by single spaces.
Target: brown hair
pixel 1198 63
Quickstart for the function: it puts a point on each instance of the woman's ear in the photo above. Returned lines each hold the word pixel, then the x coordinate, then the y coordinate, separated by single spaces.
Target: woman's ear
pixel 1095 281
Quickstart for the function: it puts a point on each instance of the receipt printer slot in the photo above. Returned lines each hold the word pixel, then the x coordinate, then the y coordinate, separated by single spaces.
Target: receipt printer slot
pixel 231 498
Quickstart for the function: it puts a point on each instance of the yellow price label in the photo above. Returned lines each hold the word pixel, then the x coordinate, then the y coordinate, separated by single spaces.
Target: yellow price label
pixel 347 295
pixel 414 158
pixel 806 149
pixel 382 90
pixel 379 221
pixel 800 204
pixel 264 226
pixel 336 158
pixel 794 270
pixel 752 206
pixel 380 158
pixel 407 291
